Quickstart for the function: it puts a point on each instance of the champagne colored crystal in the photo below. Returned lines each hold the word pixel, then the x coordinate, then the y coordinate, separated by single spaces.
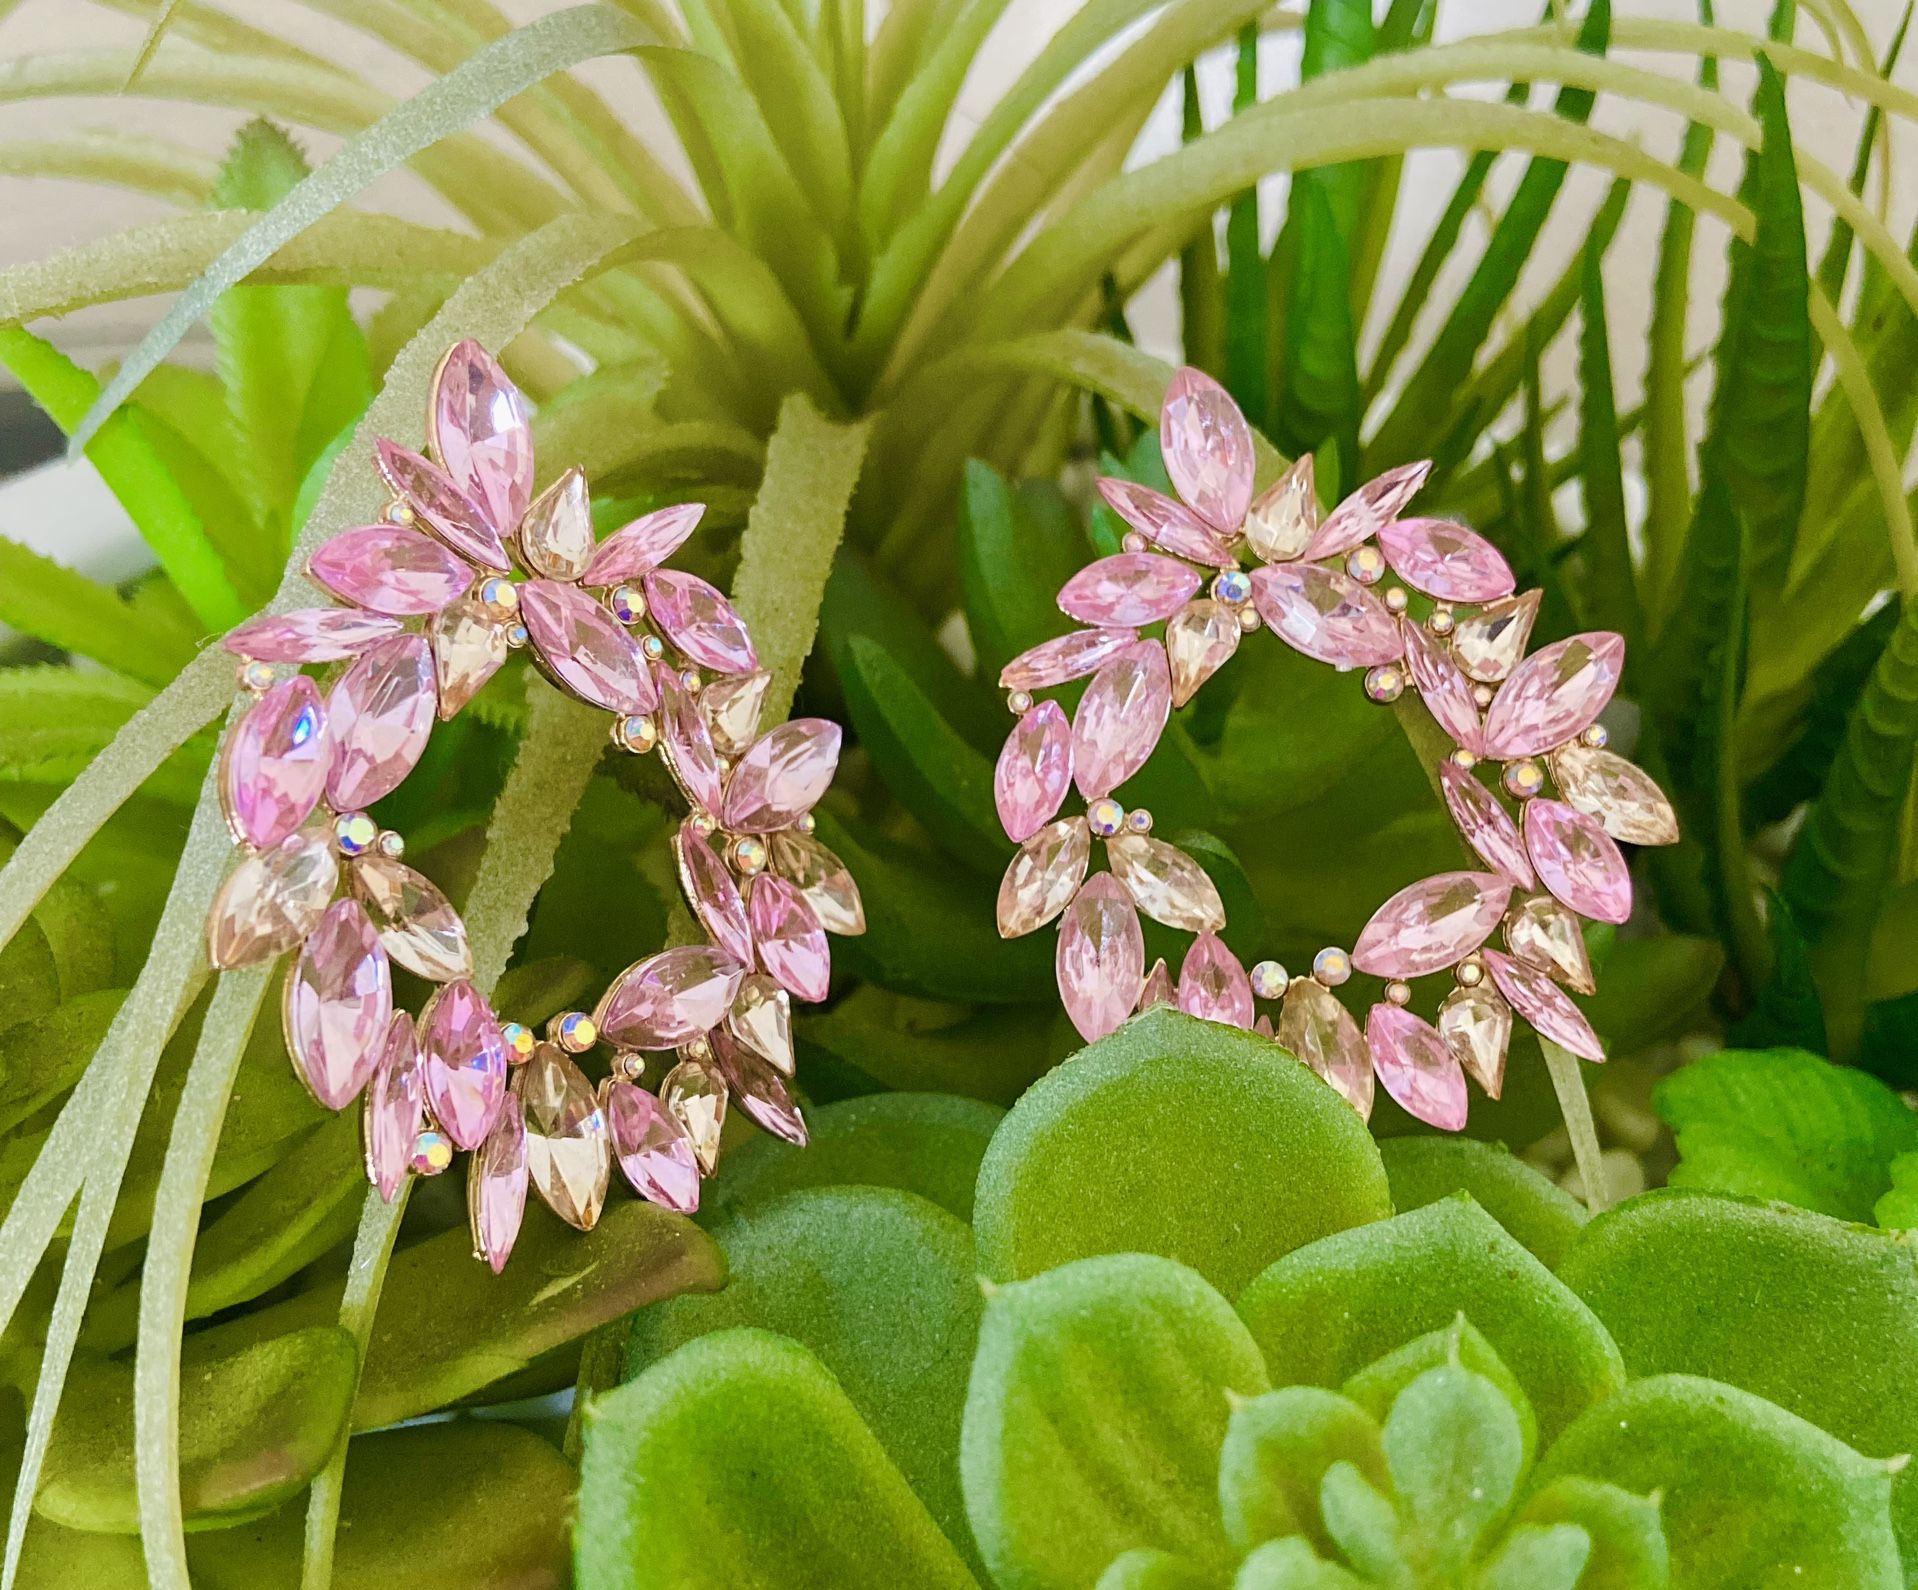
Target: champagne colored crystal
pixel 1445 560
pixel 782 776
pixel 1555 694
pixel 1100 962
pixel 465 1062
pixel 1165 883
pixel 584 649
pixel 1317 1029
pixel 655 1155
pixel 1172 525
pixel 669 998
pixel 496 1187
pixel 1326 615
pixel 762 1020
pixel 568 1156
pixel 390 569
pixel 696 1098
pixel 1578 861
pixel 759 1091
pixel 469 645
pixel 1367 511
pixel 1417 1067
pixel 309 635
pixel 1443 687
pixel 1158 989
pixel 1213 985
pixel 640 547
pixel 381 713
pixel 1207 447
pixel 273 764
pixel 272 900
pixel 1542 933
pixel 1120 719
pixel 731 706
pixel 699 621
pixel 1537 998
pixel 1623 798
pixel 556 535
pixel 1128 588
pixel 482 434
pixel 1491 641
pixel 1487 827
pixel 687 745
pixel 415 921
pixel 1044 876
pixel 711 892
pixel 1432 924
pixel 441 506
pixel 1034 771
pixel 395 1108
pixel 1282 521
pixel 1064 658
pixel 338 1004
pixel 822 878
pixel 792 945
pixel 1199 640
pixel 1477 1027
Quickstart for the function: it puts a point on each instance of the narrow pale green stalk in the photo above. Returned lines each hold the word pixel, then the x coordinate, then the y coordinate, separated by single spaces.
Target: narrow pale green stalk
pixel 1562 1066
pixel 155 32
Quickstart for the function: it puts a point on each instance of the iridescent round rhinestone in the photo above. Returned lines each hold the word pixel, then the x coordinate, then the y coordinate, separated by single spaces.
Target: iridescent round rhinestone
pixel 1331 966
pixel 1366 565
pixel 432 1152
pixel 1019 703
pixel 806 823
pixel 1140 821
pixel 1397 599
pixel 1482 695
pixel 1524 778
pixel 749 855
pixel 628 605
pixel 1248 619
pixel 398 512
pixel 689 681
pixel 1105 816
pixel 1385 683
pixel 256 678
pixel 638 734
pixel 1469 973
pixel 629 1065
pixel 1270 980
pixel 1133 541
pixel 1440 623
pixel 516 636
pixel 1233 587
pixel 703 822
pixel 1596 737
pixel 520 1041
pixel 355 833
pixel 392 845
pixel 500 594
pixel 577 1032
pixel 653 647
pixel 1464 758
pixel 1399 993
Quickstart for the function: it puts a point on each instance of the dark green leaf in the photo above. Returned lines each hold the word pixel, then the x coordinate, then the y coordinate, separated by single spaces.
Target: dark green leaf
pixel 1202 310
pixel 1247 350
pixel 1787 1014
pixel 1533 1208
pixel 896 1041
pixel 1017 546
pixel 1319 399
pixel 1611 585
pixel 1888 1045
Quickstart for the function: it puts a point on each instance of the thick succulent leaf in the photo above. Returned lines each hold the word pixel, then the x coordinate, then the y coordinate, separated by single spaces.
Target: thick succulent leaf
pixel 1138 1142
pixel 43 1056
pixel 1750 1495
pixel 1653 989
pixel 1669 1274
pixel 740 1460
pixel 52 603
pixel 255 1425
pixel 1626 1534
pixel 924 1143
pixel 1455 1449
pixel 1327 1310
pixel 1277 1450
pixel 1376 1387
pixel 1292 1565
pixel 1784 1124
pixel 1146 1568
pixel 496 1519
pixel 1098 1403
pixel 1532 1207
pixel 1898 1209
pixel 1017 546
pixel 879 1285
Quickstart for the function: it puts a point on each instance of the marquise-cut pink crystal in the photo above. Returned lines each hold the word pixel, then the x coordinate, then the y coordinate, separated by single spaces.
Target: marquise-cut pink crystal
pixel 1034 771
pixel 1044 876
pixel 1477 1027
pixel 1578 861
pixel 687 745
pixel 1487 827
pixel 1199 640
pixel 760 1092
pixel 469 645
pixel 1556 693
pixel 1128 588
pixel 339 1002
pixel 441 506
pixel 1066 657
pixel 1207 448
pixel 1623 797
pixel 585 648
pixel 1120 718
pixel 640 547
pixel 1165 883
pixel 714 896
pixel 792 945
pixel 390 569
pixel 496 1187
pixel 464 1053
pixel 1213 985
pixel 272 900
pixel 556 535
pixel 1172 525
pixel 309 635
pixel 669 998
pixel 395 1108
pixel 1100 963
pixel 1445 560
pixel 1443 687
pixel 1417 1067
pixel 482 433
pixel 699 621
pixel 381 713
pixel 273 765
pixel 1367 511
pixel 782 776
pixel 1326 614
pixel 1432 924
pixel 1321 1032
pixel 1158 989
pixel 1539 1000
pixel 652 1148
pixel 414 919
pixel 817 873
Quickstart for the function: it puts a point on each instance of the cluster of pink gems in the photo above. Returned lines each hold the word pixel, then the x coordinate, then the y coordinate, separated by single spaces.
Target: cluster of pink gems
pixel 431 607
pixel 1313 583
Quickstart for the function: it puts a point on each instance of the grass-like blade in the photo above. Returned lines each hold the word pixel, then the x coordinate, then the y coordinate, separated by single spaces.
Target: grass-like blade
pixel 1835 263
pixel 1202 304
pixel 1246 352
pixel 1787 1012
pixel 1611 584
pixel 52 603
pixel 1017 546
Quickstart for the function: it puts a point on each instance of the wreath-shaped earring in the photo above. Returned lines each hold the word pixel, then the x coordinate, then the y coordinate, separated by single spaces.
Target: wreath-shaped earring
pixel 467 566
pixel 1340 588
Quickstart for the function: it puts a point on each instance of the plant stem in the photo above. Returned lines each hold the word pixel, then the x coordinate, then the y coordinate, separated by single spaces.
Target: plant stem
pixel 1577 1110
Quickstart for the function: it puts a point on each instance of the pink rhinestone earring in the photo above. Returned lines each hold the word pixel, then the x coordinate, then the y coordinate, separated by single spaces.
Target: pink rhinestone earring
pixel 430 608
pixel 1313 585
